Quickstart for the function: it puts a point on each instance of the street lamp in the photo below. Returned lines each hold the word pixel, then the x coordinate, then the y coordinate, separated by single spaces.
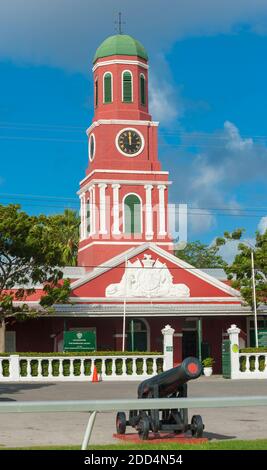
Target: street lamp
pixel 251 247
pixel 254 297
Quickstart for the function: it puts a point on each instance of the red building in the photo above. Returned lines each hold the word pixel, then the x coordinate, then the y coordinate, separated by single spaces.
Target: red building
pixel 126 261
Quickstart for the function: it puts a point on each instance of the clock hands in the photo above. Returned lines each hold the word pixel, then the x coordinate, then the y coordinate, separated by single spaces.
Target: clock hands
pixel 130 138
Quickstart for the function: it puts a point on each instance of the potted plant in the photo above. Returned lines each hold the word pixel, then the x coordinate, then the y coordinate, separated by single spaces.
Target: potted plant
pixel 207 366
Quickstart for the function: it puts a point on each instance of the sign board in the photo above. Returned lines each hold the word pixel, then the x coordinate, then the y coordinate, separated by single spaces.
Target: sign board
pixel 262 336
pixel 226 359
pixel 79 340
pixel 168 348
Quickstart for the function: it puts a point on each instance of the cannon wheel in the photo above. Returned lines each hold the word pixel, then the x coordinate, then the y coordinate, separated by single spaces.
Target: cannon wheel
pixel 197 426
pixel 143 428
pixel 121 422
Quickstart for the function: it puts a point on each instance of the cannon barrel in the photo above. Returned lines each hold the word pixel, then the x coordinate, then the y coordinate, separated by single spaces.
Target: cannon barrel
pixel 167 383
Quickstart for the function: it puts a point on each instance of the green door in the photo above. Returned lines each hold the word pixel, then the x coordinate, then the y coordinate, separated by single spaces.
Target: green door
pixel 226 359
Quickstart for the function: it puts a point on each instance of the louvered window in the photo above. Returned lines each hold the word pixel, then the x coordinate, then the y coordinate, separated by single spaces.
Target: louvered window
pixel 107 88
pixel 96 92
pixel 127 87
pixel 142 90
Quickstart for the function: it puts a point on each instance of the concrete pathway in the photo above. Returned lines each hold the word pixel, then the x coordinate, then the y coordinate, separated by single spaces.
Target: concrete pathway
pixel 68 428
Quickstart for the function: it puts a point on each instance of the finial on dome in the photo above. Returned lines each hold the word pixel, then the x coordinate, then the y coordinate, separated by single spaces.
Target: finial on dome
pixel 118 28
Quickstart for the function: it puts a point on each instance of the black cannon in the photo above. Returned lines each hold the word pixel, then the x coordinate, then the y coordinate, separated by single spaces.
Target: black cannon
pixel 169 384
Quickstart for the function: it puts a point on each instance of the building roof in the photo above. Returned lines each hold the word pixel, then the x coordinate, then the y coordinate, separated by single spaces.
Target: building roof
pixel 120 44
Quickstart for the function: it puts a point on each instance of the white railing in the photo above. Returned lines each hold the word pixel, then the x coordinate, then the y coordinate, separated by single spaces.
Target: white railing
pixel 253 365
pixel 17 368
pixel 245 365
pixel 96 406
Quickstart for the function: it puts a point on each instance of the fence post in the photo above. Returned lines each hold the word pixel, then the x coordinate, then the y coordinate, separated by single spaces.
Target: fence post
pixel 233 332
pixel 14 372
pixel 168 333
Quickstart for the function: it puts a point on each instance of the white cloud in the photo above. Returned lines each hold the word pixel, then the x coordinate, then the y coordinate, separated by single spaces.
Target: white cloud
pixel 200 221
pixel 225 161
pixel 65 33
pixel 233 139
pixel 262 226
pixel 229 251
pixel 164 102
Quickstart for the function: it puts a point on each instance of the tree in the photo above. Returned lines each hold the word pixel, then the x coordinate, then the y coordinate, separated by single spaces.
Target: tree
pixel 240 271
pixel 28 256
pixel 201 255
pixel 64 230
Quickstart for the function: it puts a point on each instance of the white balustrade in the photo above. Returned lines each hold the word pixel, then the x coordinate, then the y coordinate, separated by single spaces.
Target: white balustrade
pixel 22 368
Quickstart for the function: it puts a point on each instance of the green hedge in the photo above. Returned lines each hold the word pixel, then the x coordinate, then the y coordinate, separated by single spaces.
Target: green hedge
pixel 242 362
pixel 142 365
pixel 93 353
pixel 253 350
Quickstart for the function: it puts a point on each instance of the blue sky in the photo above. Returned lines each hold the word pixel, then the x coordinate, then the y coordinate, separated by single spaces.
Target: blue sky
pixel 208 75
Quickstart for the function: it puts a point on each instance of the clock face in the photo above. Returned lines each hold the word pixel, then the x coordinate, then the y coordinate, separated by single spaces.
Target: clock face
pixel 130 142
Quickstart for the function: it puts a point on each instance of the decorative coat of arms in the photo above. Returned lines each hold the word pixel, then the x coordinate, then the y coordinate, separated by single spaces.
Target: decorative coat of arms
pixel 147 278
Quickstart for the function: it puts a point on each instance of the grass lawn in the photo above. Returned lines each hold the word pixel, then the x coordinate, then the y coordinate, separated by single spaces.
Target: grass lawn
pixel 258 444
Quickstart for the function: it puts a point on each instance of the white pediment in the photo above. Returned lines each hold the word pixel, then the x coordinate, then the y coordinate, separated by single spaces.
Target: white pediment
pixel 147 278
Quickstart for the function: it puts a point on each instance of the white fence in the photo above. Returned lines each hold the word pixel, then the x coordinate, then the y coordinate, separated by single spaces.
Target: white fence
pixel 16 368
pixel 78 368
pixel 251 365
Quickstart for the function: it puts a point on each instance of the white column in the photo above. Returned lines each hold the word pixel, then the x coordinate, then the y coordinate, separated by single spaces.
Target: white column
pixel 149 212
pixel 92 209
pixel 116 210
pixel 162 221
pixel 14 369
pixel 83 216
pixel 168 333
pixel 234 350
pixel 102 208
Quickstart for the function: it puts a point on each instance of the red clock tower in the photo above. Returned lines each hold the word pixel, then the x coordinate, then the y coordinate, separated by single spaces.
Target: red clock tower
pixel 124 195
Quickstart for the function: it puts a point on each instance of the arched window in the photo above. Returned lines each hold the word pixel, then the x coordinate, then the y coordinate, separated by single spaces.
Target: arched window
pixel 127 87
pixel 107 87
pixel 142 89
pixel 132 214
pixel 96 92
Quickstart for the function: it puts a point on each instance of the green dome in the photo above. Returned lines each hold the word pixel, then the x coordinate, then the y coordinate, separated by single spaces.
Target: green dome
pixel 120 44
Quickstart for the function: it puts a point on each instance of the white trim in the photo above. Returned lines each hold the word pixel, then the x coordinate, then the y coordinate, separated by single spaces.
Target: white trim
pixel 103 84
pixel 122 73
pixel 92 136
pixel 182 300
pixel 121 243
pixel 119 259
pixel 129 122
pixel 122 182
pixel 178 335
pixel 141 211
pixel 137 172
pixel 121 151
pixel 120 61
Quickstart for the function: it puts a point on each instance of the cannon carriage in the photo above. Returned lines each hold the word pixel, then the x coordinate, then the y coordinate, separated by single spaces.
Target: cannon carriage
pixel 169 384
